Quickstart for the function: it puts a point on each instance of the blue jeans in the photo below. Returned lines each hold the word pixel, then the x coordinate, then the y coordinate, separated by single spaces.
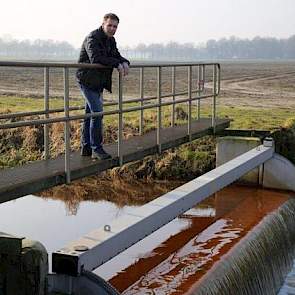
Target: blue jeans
pixel 92 129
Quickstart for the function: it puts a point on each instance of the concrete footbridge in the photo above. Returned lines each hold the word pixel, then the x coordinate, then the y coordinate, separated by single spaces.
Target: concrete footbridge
pixel 39 175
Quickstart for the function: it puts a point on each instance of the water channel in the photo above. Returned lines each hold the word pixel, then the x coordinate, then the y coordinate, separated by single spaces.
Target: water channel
pixel 175 259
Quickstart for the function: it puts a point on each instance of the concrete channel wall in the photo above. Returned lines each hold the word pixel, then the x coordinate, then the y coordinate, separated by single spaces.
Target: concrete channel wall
pixel 276 173
pixel 230 147
pixel 23 266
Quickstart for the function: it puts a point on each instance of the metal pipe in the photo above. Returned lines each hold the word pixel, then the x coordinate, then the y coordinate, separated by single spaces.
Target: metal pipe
pixel 120 119
pixel 173 96
pixel 35 113
pixel 203 77
pixel 159 127
pixel 55 120
pixel 141 91
pixel 92 115
pixel 93 66
pixel 67 126
pixel 214 100
pixel 46 109
pixel 189 90
pixel 167 103
pixel 152 97
pixel 199 92
pixel 218 79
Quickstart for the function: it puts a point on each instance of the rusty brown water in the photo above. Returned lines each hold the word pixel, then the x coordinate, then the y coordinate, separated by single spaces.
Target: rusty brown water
pixel 182 263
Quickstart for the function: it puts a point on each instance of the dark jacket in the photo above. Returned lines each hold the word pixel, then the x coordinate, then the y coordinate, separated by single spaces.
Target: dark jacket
pixel 101 49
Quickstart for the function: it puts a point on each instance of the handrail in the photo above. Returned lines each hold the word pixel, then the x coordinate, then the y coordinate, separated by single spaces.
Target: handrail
pixel 77 108
pixel 191 96
pixel 98 66
pixel 37 122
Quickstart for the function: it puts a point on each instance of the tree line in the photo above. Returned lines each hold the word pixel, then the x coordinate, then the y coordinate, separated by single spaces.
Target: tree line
pixel 37 49
pixel 225 48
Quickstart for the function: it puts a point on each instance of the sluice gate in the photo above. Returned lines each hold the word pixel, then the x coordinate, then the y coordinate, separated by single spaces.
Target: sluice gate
pixel 86 254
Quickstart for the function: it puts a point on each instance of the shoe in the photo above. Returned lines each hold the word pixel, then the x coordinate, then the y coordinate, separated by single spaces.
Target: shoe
pixel 100 155
pixel 86 151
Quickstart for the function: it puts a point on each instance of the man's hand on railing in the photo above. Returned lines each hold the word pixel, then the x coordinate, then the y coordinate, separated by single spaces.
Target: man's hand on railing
pixel 126 68
pixel 123 68
pixel 120 69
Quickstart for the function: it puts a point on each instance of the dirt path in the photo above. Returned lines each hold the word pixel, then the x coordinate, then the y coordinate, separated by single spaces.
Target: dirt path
pixel 268 90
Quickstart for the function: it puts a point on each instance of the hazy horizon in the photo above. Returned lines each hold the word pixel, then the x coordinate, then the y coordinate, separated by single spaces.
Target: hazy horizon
pixel 193 21
pixel 9 38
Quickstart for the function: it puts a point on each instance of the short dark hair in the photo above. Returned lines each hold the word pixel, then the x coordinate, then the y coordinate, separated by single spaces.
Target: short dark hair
pixel 111 16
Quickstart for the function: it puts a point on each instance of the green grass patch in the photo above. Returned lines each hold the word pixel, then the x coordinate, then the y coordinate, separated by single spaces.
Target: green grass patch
pixel 242 117
pixel 26 104
pixel 258 119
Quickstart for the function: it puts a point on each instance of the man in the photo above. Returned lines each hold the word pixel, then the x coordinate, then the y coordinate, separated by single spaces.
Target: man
pixel 99 47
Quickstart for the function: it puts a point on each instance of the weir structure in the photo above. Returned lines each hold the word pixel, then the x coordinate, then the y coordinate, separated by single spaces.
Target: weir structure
pixel 72 265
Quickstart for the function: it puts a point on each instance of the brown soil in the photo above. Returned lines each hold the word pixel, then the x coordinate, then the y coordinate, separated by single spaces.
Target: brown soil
pixel 267 84
pixel 263 84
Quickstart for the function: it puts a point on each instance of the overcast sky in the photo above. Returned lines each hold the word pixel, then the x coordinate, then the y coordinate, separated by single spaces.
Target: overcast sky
pixel 148 21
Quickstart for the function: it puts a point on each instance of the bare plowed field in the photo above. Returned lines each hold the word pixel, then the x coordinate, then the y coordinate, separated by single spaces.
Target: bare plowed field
pixel 259 84
pixel 252 84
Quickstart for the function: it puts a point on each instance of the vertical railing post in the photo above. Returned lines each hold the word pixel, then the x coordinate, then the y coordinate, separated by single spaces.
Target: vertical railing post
pixel 173 97
pixel 67 126
pixel 159 95
pixel 189 94
pixel 203 77
pixel 218 79
pixel 214 99
pixel 46 109
pixel 199 92
pixel 120 119
pixel 141 90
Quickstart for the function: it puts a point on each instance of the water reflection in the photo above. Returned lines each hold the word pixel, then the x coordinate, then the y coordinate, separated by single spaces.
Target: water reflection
pixel 47 220
pixel 130 265
pixel 65 213
pixel 167 277
pixel 118 191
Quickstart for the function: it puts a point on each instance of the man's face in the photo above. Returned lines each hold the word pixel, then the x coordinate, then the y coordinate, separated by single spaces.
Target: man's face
pixel 110 26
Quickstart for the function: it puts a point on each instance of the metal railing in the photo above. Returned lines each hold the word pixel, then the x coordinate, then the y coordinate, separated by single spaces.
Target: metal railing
pixel 191 95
